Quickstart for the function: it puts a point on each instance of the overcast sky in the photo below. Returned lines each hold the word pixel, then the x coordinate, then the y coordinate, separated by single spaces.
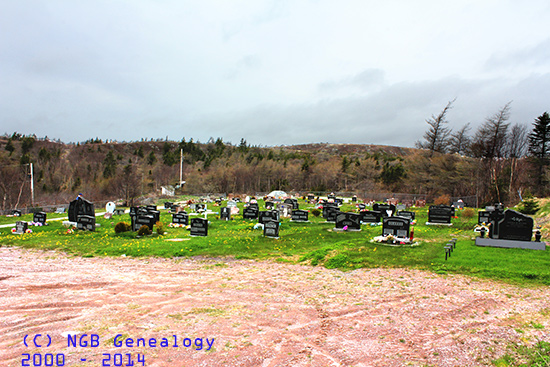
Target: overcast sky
pixel 272 72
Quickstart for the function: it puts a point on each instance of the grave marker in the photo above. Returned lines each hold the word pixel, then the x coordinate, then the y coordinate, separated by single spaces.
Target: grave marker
pixel 396 226
pixel 266 216
pixel 86 222
pixel 199 227
pixel 440 214
pixel 387 210
pixel 351 220
pixel 406 214
pixel 271 229
pixel 299 215
pixel 39 217
pixel 250 213
pixel 80 207
pixel 370 216
pixel 225 213
pixel 21 227
pixel 180 218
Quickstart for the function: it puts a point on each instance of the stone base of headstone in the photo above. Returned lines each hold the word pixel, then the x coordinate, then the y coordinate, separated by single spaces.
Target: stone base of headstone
pixel 490 242
pixel 346 230
pixel 438 224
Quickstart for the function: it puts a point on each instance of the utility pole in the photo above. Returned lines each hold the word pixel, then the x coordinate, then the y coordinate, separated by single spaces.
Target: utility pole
pixel 181 166
pixel 32 186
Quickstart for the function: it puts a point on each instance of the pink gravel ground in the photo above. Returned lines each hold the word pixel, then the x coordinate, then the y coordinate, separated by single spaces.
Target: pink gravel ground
pixel 259 313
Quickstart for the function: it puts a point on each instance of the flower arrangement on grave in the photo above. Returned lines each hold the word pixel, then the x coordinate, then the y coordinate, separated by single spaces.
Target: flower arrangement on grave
pixel 70 230
pixel 392 239
pixel 482 228
pixel 28 230
pixel 13 230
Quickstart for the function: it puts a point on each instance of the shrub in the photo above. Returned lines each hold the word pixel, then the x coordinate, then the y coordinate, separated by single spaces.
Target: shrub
pixel 528 206
pixel 122 227
pixel 442 200
pixel 144 231
pixel 468 213
pixel 160 228
pixel 316 212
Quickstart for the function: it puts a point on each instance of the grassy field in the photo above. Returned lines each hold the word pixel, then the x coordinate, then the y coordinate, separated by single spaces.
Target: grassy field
pixel 313 243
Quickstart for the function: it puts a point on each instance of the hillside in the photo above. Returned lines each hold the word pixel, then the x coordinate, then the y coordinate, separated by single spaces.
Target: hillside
pixel 120 170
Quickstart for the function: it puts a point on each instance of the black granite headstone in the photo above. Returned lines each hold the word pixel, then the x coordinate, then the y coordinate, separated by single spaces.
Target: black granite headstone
pixel 332 213
pixel 483 216
pixel 406 214
pixel 351 220
pixel 387 210
pixel 225 213
pixel 21 227
pixel 271 229
pixel 168 205
pixel 143 220
pixel 515 226
pixel 266 216
pixel 299 215
pixel 86 222
pixel 39 217
pixel 199 227
pixel 80 207
pixel 370 216
pixel 269 205
pixel 440 214
pixel 250 213
pixel 180 218
pixel 16 213
pixel 396 226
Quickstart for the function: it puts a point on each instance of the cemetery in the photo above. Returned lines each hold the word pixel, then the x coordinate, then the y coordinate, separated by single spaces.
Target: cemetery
pixel 229 229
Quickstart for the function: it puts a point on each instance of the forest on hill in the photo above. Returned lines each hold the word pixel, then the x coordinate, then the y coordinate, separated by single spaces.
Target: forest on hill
pixel 496 165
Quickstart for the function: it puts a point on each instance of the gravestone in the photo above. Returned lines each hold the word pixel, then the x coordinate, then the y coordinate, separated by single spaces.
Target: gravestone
pixel 370 216
pixel 354 199
pixel 142 219
pixel 269 205
pixel 406 214
pixel 483 216
pixel 250 213
pixel 231 204
pixel 21 227
pixel 200 208
pixel 401 207
pixel 199 227
pixel 327 207
pixel 310 197
pixel 331 196
pixel 271 229
pixel 180 218
pixel 80 207
pixel 515 226
pixel 151 208
pixel 351 220
pixel 254 206
pixel 118 212
pixel 387 210
pixel 285 210
pixel 110 207
pixel 16 213
pixel 339 201
pixel 293 203
pixel 174 208
pixel 154 213
pixel 396 226
pixel 266 216
pixel 362 206
pixel 299 215
pixel 440 214
pixel 39 217
pixel 168 205
pixel 225 213
pixel 458 204
pixel 86 222
pixel 332 213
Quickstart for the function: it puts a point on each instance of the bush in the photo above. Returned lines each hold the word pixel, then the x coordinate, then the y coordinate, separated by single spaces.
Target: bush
pixel 316 212
pixel 468 213
pixel 144 231
pixel 443 200
pixel 160 228
pixel 122 227
pixel 528 206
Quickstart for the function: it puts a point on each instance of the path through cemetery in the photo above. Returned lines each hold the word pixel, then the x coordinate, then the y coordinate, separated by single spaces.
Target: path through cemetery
pixel 224 312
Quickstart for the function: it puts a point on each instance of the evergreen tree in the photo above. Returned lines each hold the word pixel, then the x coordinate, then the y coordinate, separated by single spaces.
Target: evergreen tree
pixel 539 147
pixel 436 138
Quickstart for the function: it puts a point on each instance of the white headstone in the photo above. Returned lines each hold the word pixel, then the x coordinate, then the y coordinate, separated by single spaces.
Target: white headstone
pixel 110 207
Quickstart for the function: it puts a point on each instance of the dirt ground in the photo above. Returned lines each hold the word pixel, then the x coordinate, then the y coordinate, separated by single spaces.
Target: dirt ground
pixel 255 313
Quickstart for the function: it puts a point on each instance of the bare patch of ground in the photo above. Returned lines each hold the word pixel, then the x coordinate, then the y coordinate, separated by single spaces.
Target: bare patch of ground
pixel 259 313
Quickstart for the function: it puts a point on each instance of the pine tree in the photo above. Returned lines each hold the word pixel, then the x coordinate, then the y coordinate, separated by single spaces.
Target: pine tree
pixel 539 147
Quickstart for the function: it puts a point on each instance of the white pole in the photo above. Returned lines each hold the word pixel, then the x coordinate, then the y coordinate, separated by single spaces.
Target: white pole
pixel 32 187
pixel 181 166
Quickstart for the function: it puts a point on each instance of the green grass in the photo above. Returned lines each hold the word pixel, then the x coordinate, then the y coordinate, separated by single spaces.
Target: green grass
pixel 520 355
pixel 309 243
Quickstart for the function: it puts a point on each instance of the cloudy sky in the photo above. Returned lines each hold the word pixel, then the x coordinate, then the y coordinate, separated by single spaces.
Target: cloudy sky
pixel 272 72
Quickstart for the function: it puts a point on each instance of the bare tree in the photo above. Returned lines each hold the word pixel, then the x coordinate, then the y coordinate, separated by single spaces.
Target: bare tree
pixel 459 141
pixel 435 139
pixel 516 148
